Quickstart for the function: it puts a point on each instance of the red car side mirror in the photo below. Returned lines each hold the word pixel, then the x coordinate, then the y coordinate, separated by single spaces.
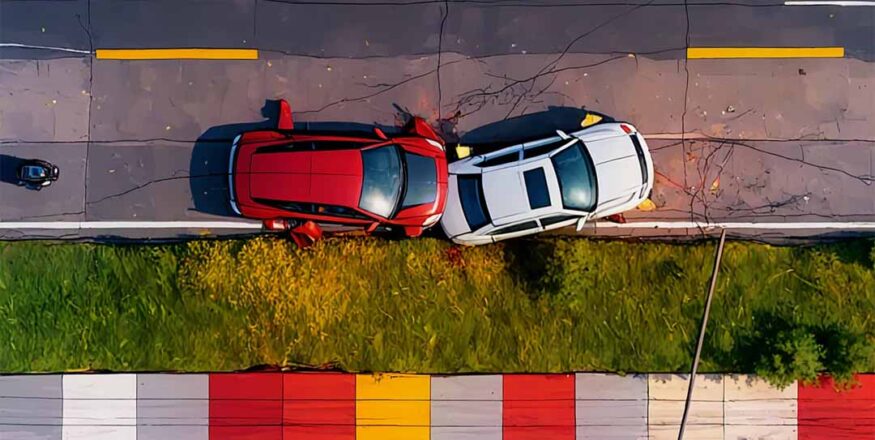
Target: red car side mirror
pixel 284 121
pixel 419 127
pixel 306 234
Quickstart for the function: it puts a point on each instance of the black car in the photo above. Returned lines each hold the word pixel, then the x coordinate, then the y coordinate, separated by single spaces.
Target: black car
pixel 35 174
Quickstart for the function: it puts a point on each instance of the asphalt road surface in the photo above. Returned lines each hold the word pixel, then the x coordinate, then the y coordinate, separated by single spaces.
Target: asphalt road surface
pixel 773 148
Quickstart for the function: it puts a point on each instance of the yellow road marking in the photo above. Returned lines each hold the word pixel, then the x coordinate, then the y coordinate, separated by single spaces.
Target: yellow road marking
pixel 177 54
pixel 765 52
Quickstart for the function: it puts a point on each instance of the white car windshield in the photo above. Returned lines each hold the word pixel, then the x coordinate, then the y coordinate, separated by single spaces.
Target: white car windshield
pixel 577 181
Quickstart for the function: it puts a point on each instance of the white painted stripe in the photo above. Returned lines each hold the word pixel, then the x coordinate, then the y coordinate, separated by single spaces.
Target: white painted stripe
pixel 100 406
pixel 842 226
pixel 248 225
pixel 132 225
pixel 828 3
pixel 31 46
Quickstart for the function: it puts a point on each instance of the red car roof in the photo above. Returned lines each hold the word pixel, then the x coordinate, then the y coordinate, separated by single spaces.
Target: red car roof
pixel 322 177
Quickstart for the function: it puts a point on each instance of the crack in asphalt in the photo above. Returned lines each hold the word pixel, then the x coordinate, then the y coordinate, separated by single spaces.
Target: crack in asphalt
pixel 446 13
pixel 384 87
pixel 524 4
pixel 686 61
pixel 87 31
pixel 480 97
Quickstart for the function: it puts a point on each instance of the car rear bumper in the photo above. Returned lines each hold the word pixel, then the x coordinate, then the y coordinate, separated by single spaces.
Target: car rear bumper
pixel 232 197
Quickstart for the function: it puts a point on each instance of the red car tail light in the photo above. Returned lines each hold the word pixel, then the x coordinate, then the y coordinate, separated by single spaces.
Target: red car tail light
pixel 626 128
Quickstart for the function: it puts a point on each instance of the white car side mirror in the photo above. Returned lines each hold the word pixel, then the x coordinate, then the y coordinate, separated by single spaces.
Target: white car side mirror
pixel 563 134
pixel 580 222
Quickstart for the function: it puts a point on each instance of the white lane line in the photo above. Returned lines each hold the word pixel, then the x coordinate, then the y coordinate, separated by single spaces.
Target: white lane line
pixel 842 226
pixel 131 225
pixel 98 225
pixel 828 3
pixel 31 46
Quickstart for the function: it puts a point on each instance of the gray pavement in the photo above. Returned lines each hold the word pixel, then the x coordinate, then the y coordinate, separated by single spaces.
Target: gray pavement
pixel 791 140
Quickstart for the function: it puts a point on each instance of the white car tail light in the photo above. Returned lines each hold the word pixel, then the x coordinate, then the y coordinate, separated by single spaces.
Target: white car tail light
pixel 626 128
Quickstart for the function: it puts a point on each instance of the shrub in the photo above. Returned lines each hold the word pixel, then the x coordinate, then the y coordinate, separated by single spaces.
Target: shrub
pixel 784 351
pixel 790 355
pixel 872 254
pixel 845 352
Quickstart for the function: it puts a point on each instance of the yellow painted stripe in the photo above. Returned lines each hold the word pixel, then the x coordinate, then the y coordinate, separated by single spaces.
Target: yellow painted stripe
pixel 177 54
pixel 392 407
pixel 765 52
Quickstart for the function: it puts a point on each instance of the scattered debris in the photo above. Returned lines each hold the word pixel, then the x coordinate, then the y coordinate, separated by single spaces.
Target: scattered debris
pixel 647 206
pixel 802 72
pixel 730 109
pixel 590 119
pixel 715 185
pixel 462 151
pixel 454 255
pixel 616 218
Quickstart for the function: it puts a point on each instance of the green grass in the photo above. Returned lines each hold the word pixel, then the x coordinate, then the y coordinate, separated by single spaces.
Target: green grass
pixel 418 305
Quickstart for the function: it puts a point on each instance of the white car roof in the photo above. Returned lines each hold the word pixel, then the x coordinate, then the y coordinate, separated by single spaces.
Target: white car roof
pixel 506 194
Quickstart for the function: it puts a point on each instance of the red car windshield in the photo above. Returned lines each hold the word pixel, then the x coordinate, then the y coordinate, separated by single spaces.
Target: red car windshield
pixel 382 180
pixel 391 174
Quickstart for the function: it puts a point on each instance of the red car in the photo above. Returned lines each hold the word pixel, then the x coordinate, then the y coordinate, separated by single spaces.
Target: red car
pixel 358 179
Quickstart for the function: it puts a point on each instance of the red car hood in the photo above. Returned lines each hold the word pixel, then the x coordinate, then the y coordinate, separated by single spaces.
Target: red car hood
pixel 322 177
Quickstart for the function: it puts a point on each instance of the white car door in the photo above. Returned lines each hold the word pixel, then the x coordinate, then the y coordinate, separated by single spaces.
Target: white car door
pixel 556 221
pixel 520 229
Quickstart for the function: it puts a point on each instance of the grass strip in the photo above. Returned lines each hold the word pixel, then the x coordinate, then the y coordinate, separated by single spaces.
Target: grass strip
pixel 426 306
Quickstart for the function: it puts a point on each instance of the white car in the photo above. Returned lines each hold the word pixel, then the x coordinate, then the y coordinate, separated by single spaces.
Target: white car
pixel 547 184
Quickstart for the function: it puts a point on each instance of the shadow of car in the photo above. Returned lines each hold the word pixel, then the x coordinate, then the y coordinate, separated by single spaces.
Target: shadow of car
pixel 525 128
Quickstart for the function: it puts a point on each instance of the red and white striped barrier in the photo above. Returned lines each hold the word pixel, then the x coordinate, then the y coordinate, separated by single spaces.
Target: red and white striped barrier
pixel 335 406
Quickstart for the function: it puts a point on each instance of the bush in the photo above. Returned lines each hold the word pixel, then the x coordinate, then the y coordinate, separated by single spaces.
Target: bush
pixel 846 353
pixel 788 356
pixel 784 351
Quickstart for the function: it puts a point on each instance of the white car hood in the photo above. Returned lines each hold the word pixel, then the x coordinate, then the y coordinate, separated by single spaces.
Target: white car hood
pixel 505 193
pixel 617 168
